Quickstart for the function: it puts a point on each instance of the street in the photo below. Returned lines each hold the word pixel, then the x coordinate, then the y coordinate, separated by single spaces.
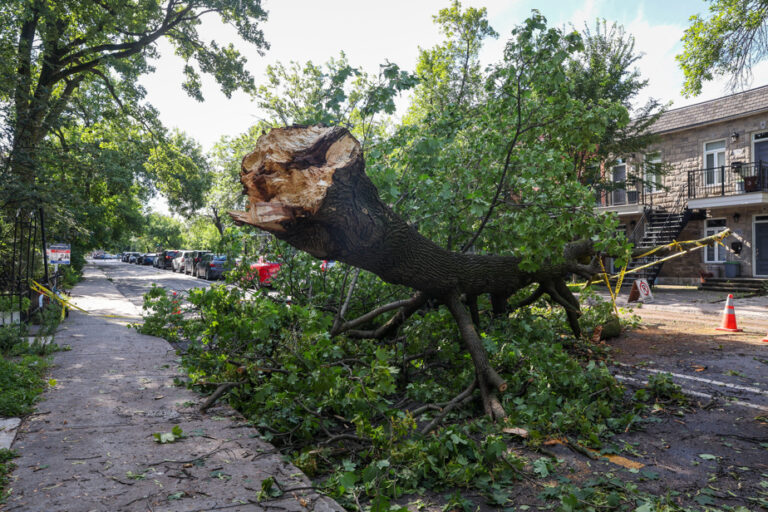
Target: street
pixel 134 281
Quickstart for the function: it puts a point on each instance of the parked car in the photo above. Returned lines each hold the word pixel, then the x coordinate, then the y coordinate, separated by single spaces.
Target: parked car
pixel 211 266
pixel 132 257
pixel 265 270
pixel 178 262
pixel 146 259
pixel 165 259
pixel 191 259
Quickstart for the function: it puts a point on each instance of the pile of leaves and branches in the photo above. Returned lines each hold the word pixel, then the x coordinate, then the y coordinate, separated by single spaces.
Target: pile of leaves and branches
pixel 374 420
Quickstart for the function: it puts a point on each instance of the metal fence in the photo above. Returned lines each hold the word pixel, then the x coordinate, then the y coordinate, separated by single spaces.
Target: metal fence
pixel 728 180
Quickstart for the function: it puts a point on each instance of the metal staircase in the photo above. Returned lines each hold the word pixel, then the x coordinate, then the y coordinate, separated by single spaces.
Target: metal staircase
pixel 657 227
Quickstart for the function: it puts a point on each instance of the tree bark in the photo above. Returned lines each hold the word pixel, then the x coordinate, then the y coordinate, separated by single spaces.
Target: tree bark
pixel 307 185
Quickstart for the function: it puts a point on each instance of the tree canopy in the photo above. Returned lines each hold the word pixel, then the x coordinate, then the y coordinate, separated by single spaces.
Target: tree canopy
pixel 74 113
pixel 732 39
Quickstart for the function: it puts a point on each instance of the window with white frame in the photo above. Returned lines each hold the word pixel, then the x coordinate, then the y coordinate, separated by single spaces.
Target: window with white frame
pixel 714 158
pixel 652 170
pixel 716 252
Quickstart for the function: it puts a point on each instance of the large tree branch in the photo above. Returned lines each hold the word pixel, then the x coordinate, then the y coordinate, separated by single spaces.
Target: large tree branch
pixel 308 187
pixel 351 324
pixel 116 51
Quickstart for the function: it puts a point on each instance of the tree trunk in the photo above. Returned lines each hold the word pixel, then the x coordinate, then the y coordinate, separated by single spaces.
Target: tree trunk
pixel 307 186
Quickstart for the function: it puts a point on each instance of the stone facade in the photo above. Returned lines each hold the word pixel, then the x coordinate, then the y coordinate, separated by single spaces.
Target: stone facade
pixel 732 121
pixel 684 151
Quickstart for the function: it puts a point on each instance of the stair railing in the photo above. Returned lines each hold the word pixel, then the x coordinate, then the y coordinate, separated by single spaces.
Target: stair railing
pixel 639 230
pixel 678 206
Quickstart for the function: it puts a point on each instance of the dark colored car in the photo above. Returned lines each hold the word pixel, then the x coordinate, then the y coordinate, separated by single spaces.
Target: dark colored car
pixel 211 266
pixel 191 259
pixel 165 259
pixel 146 259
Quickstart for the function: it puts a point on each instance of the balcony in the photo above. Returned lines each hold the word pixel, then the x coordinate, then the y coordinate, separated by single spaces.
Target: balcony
pixel 627 198
pixel 728 185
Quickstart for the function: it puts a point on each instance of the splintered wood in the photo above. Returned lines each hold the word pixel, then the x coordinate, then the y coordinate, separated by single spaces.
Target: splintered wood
pixel 289 172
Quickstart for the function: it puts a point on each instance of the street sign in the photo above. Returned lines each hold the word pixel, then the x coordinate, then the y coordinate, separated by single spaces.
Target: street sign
pixel 59 254
pixel 640 291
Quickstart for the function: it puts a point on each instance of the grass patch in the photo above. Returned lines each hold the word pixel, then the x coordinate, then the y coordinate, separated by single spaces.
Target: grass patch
pixel 21 382
pixel 6 467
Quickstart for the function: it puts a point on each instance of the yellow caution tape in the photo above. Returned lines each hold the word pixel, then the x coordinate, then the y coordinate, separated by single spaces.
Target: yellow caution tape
pixel 67 304
pixel 608 285
pixel 679 245
pixel 697 244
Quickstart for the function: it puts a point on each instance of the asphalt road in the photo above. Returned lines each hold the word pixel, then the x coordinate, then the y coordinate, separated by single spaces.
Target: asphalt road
pixel 134 281
pixel 708 364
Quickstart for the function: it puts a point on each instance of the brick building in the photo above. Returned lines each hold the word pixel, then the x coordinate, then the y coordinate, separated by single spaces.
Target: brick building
pixel 716 157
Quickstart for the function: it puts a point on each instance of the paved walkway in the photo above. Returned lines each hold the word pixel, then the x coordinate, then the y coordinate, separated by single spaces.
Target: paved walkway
pixel 686 300
pixel 90 445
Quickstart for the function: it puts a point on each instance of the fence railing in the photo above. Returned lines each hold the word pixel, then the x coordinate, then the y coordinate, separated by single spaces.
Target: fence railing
pixel 728 180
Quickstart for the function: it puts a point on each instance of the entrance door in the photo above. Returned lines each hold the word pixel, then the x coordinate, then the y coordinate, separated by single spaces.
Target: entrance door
pixel 761 246
pixel 761 159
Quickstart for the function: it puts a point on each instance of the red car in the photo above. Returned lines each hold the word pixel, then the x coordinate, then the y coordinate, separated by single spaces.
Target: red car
pixel 266 271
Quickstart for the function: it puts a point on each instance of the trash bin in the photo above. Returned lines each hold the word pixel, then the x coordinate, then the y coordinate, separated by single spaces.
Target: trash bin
pixel 732 269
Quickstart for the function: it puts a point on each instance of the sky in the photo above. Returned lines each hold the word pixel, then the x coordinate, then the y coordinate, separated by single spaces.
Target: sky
pixel 372 32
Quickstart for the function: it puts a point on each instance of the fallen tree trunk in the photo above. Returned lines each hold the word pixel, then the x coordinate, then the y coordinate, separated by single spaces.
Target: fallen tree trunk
pixel 307 186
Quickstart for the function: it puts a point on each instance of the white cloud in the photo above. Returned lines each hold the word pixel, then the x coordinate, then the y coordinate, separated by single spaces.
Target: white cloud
pixel 372 32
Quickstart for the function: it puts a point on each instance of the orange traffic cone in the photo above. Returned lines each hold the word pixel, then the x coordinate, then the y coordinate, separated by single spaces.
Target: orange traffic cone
pixel 729 317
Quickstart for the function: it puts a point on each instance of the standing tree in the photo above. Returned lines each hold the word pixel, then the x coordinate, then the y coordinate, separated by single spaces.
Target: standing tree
pixel 51 49
pixel 728 43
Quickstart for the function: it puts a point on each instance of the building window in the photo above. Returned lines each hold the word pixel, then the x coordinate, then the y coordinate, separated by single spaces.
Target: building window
pixel 716 252
pixel 619 179
pixel 714 158
pixel 652 170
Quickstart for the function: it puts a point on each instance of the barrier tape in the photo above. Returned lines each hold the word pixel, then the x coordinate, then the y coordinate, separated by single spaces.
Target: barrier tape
pixel 608 285
pixel 67 304
pixel 697 244
pixel 679 246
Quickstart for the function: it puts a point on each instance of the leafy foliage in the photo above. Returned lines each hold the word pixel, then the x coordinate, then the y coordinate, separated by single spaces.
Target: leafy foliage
pixel 20 384
pixel 77 136
pixel 6 467
pixel 728 43
pixel 351 410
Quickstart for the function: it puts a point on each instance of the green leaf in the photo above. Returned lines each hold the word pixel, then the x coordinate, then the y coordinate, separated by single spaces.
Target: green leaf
pixel 707 456
pixel 541 467
pixel 348 480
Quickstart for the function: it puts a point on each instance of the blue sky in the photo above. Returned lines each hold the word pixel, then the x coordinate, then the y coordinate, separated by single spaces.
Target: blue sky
pixel 371 32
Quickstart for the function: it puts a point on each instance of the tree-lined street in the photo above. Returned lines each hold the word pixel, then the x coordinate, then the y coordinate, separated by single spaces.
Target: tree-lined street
pixel 436 235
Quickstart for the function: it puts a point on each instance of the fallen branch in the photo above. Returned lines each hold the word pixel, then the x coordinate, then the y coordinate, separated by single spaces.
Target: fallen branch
pixel 223 388
pixel 462 397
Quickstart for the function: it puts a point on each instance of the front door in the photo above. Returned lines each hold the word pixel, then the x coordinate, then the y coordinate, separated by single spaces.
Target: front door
pixel 761 246
pixel 761 159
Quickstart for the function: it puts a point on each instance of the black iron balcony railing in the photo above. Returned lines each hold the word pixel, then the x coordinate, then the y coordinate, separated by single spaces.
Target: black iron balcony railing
pixel 728 180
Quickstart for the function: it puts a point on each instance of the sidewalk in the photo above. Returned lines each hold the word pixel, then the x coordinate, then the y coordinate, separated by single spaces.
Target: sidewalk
pixel 90 445
pixel 686 300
